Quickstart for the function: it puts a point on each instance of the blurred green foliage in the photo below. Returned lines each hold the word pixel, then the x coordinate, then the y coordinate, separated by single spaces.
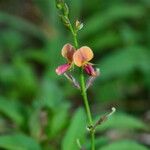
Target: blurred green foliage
pixel 41 111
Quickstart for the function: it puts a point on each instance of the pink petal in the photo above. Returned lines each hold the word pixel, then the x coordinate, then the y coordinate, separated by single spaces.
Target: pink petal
pixel 62 69
pixel 90 70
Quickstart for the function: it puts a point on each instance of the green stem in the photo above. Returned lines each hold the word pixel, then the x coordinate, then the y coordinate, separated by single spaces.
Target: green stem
pixel 83 92
pixel 90 121
pixel 74 35
pixel 93 140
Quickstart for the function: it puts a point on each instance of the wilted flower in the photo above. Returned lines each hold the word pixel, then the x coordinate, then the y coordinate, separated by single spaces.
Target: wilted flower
pixel 72 80
pixel 82 57
pixel 92 78
pixel 67 52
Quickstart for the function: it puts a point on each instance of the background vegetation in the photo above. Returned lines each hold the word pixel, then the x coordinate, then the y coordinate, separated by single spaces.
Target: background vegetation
pixel 41 111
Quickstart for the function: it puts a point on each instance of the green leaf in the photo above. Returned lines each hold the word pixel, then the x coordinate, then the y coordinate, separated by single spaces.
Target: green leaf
pixel 12 110
pixel 36 55
pixel 59 120
pixel 18 142
pixel 74 6
pixel 26 76
pixel 45 6
pixel 122 121
pixel 11 38
pixel 101 42
pixel 109 91
pixel 50 94
pixel 124 145
pixel 123 62
pixel 3 125
pixel 102 20
pixel 25 26
pixel 99 141
pixel 35 124
pixel 76 131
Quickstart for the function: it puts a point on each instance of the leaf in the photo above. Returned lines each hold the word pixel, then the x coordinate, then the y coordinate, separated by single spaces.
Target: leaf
pixel 101 42
pixel 26 76
pixel 3 125
pixel 111 90
pixel 124 145
pixel 10 38
pixel 50 94
pixel 76 131
pixel 129 35
pixel 102 20
pixel 45 6
pixel 75 5
pixel 122 121
pixel 18 142
pixel 59 120
pixel 25 26
pixel 8 75
pixel 12 110
pixel 35 124
pixel 99 141
pixel 36 55
pixel 123 62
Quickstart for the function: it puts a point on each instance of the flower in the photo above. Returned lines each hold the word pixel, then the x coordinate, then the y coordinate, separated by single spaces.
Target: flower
pixel 82 57
pixel 67 52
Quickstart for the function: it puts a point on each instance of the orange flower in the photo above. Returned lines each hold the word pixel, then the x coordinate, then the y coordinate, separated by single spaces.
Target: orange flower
pixel 82 57
pixel 67 52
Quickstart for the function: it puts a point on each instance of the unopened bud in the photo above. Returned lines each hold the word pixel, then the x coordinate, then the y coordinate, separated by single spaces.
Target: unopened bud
pixel 79 25
pixel 66 9
pixel 59 4
pixel 65 20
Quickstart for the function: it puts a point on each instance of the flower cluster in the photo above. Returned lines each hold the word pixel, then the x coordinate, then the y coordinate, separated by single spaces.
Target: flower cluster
pixel 79 57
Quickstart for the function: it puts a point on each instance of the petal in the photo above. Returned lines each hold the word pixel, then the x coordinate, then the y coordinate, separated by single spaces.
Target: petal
pixel 82 55
pixel 90 70
pixel 68 51
pixel 62 69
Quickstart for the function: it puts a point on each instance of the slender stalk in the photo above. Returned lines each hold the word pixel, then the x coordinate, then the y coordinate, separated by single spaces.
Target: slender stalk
pixel 90 121
pixel 84 94
pixel 74 34
pixel 83 91
pixel 93 140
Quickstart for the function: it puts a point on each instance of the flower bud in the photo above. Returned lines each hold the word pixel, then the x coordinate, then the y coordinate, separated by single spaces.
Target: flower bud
pixel 66 9
pixel 65 20
pixel 79 25
pixel 59 4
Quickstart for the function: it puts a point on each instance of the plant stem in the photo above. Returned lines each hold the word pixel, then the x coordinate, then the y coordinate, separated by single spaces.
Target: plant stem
pixel 74 35
pixel 83 92
pixel 90 121
pixel 93 140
